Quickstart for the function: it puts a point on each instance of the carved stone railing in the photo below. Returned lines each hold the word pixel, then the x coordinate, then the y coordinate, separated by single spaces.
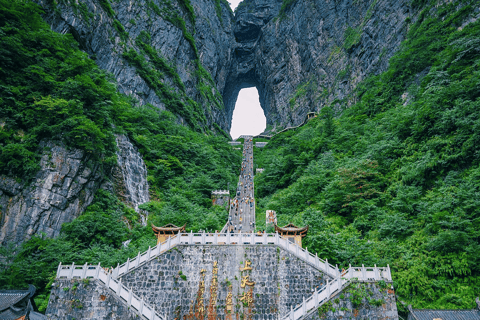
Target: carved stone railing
pixel 134 303
pixel 357 274
pixel 246 239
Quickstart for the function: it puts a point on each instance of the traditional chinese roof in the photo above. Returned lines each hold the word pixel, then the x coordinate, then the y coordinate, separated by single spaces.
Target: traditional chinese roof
pixel 415 314
pixel 15 304
pixel 168 229
pixel 292 230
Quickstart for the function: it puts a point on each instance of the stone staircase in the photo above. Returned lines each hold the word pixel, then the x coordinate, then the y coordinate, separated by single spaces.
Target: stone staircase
pixel 111 278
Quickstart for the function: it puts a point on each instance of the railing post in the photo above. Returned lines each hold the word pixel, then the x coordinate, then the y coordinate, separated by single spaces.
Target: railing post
pixel 240 238
pixel 296 250
pixel 70 274
pixel 129 299
pixel 326 266
pixel 137 261
pixel 153 311
pixel 119 286
pixel 109 276
pixel 127 265
pixel 118 269
pixel 141 307
pixel 292 315
pixel 304 307
pixel 229 241
pixel 148 253
pixel 190 237
pixel 389 275
pixel 253 238
pixel 215 238
pixel 203 238
pixel 364 273
pixel 264 238
pixel 169 241
pixel 84 271
pixel 337 272
pixel 307 255
pixel 276 237
pixel 59 269
pixel 375 272
pixel 97 272
pixel 317 261
pixel 328 289
pixel 315 295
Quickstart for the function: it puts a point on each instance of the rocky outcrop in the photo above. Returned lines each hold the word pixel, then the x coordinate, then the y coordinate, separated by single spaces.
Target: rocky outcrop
pixel 312 54
pixel 60 192
pixel 63 188
pixel 100 34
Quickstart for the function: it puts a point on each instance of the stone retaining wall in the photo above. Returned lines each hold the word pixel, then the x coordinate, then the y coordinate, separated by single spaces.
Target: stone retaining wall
pixel 85 299
pixel 172 282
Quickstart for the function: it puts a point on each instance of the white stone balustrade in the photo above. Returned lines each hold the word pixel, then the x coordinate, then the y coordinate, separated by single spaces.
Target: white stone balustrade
pixel 97 272
pixel 317 299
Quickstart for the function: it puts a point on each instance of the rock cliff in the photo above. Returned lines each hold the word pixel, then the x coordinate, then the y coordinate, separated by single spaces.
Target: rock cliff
pixel 159 51
pixel 61 190
pixel 301 57
pixel 193 60
pixel 312 53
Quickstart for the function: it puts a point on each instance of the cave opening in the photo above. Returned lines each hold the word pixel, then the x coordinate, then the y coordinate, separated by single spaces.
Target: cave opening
pixel 248 117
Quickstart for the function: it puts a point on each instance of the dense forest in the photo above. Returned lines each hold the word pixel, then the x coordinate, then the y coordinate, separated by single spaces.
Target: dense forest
pixel 395 178
pixel 52 90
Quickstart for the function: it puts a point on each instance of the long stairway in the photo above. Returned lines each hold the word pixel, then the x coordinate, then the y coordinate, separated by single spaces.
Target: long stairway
pixel 241 218
pixel 237 240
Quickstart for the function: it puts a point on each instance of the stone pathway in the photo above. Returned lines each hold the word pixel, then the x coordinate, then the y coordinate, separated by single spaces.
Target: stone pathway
pixel 242 206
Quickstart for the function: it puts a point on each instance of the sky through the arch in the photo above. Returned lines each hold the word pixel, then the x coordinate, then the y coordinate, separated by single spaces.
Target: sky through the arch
pixel 248 117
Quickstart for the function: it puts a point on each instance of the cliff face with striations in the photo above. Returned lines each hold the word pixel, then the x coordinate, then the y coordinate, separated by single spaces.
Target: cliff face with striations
pixel 311 54
pixel 301 58
pixel 194 60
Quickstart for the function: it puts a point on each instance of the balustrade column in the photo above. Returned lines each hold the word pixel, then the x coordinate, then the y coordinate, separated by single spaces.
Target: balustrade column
pixel 59 269
pixel 84 271
pixel 70 274
pixel 137 262
pixel 327 289
pixel 364 273
pixel 97 272
pixel 119 286
pixel 148 253
pixel 141 307
pixel 129 299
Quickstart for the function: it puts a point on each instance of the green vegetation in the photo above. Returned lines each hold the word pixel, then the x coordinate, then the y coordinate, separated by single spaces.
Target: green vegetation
pixel 395 178
pixel 353 35
pixel 169 13
pixel 286 5
pixel 107 8
pixel 306 88
pixel 51 90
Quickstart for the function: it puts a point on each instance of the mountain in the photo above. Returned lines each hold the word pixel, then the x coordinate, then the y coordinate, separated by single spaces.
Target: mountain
pixel 94 92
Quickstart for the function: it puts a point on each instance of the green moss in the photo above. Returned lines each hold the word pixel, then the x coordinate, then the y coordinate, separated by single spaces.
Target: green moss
pixel 107 8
